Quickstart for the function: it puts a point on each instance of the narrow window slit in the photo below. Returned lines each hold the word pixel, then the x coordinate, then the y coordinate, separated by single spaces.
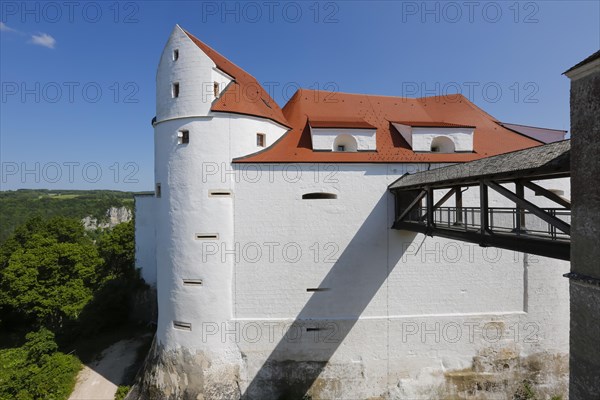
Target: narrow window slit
pixel 219 193
pixel 317 289
pixel 175 54
pixel 175 90
pixel 192 282
pixel 207 236
pixel 185 326
pixel 314 196
pixel 312 329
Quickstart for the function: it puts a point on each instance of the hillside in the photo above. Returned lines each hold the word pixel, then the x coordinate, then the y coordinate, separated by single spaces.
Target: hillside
pixel 17 206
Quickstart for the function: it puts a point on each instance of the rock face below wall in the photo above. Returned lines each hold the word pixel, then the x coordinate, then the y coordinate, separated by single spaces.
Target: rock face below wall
pixel 503 374
pixel 180 375
pixel 495 374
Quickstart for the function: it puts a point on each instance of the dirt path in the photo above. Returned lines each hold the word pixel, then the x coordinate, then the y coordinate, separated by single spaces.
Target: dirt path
pixel 99 380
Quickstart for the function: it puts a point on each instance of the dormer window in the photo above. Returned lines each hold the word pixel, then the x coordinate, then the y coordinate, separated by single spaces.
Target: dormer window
pixel 175 54
pixel 347 135
pixel 436 137
pixel 175 90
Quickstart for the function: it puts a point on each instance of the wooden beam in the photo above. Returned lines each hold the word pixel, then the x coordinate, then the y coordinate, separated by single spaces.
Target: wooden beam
pixel 459 208
pixel 546 193
pixel 430 223
pixel 412 205
pixel 557 223
pixel 525 244
pixel 483 207
pixel 442 200
pixel 520 212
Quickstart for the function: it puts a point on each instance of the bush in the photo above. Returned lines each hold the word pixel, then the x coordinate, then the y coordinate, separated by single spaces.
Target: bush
pixel 35 371
pixel 122 392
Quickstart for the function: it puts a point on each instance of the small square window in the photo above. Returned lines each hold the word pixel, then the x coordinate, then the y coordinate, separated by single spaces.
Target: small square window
pixel 341 148
pixel 216 89
pixel 260 139
pixel 175 54
pixel 158 190
pixel 175 90
pixel 183 137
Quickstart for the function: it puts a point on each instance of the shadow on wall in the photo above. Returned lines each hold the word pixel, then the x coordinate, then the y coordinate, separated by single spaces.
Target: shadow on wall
pixel 293 368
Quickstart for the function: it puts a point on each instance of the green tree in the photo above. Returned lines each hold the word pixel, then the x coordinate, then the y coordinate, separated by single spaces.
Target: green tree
pixel 39 344
pixel 48 270
pixel 117 248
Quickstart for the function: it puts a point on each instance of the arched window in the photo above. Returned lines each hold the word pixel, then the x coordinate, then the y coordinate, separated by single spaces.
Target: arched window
pixel 442 144
pixel 345 143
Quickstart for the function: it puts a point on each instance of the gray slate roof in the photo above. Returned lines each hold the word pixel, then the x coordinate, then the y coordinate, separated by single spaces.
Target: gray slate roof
pixel 587 60
pixel 541 160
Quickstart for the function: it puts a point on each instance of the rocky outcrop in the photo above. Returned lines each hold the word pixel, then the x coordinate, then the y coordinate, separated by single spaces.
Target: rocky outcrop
pixel 114 216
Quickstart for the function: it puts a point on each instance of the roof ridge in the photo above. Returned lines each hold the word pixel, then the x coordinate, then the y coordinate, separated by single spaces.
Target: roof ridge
pixel 358 94
pixel 532 126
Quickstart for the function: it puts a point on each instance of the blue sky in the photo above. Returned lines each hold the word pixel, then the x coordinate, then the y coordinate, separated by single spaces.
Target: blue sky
pixel 78 78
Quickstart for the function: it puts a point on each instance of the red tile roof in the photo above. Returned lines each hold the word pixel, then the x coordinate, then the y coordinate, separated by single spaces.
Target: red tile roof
pixel 325 109
pixel 337 122
pixel 490 138
pixel 244 95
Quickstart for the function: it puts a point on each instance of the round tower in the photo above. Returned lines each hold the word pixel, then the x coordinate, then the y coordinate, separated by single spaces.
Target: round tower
pixel 195 192
pixel 194 290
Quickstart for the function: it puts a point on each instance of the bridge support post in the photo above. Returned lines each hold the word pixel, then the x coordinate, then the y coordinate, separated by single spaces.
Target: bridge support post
pixel 430 224
pixel 520 212
pixel 483 208
pixel 459 209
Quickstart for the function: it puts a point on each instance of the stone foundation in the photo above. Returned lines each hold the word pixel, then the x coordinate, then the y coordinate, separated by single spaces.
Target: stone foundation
pixel 495 374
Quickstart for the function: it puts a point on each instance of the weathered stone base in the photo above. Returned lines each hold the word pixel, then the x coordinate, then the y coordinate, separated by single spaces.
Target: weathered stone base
pixel 180 375
pixel 495 374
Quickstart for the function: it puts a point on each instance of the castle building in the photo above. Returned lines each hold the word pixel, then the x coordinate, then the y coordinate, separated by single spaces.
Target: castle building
pixel 277 275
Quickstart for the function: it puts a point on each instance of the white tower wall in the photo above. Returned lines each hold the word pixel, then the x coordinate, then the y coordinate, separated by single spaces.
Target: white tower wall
pixel 194 292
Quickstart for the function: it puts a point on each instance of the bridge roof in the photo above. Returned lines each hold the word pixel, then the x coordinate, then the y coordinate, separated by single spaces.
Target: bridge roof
pixel 541 162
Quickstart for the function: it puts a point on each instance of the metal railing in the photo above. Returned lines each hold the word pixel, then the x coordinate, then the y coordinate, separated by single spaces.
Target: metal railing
pixel 500 220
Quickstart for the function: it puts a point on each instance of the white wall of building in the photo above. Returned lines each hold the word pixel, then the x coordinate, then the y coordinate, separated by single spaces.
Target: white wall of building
pixel 382 284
